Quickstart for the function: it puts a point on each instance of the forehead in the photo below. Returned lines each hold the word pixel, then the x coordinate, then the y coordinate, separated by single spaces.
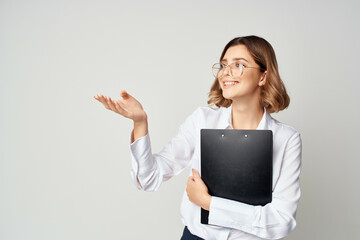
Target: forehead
pixel 238 51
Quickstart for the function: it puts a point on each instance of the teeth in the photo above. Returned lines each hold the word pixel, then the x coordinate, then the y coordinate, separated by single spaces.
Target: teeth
pixel 230 83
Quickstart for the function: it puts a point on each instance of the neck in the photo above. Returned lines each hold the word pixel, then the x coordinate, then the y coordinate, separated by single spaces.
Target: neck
pixel 246 115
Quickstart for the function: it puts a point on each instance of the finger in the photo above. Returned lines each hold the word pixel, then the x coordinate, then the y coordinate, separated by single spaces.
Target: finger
pixel 104 102
pixel 190 179
pixel 195 173
pixel 124 94
pixel 111 104
pixel 120 109
pixel 98 97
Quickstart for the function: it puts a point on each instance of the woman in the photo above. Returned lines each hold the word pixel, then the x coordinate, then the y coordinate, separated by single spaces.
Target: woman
pixel 247 88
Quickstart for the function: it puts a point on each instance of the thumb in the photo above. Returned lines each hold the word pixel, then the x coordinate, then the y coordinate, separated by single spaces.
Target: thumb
pixel 195 173
pixel 124 94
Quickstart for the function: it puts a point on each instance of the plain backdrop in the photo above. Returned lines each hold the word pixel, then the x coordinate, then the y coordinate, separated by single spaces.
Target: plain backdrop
pixel 65 159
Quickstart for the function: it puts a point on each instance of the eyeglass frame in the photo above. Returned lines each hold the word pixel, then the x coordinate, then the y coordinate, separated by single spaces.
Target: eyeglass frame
pixel 225 66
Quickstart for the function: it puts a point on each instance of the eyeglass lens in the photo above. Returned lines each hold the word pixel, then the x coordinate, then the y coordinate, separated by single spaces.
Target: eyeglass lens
pixel 235 69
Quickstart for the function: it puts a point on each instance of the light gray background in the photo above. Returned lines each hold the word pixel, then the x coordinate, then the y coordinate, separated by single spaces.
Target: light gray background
pixel 65 159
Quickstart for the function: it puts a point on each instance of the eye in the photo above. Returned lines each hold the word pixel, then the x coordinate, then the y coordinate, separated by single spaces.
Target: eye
pixel 222 65
pixel 239 65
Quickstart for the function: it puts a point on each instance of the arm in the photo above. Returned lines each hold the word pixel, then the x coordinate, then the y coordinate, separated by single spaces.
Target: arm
pixel 130 108
pixel 149 170
pixel 274 220
pixel 140 130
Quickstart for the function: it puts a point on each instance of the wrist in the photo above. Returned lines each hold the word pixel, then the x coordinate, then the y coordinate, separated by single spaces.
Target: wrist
pixel 141 120
pixel 140 129
pixel 206 202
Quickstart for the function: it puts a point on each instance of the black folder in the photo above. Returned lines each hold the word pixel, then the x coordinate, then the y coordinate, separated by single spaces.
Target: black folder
pixel 237 165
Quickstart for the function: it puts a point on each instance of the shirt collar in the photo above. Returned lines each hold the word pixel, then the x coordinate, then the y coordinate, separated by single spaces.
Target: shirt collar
pixel 226 120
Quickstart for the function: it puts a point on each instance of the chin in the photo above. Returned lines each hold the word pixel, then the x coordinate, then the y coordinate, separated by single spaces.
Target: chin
pixel 228 96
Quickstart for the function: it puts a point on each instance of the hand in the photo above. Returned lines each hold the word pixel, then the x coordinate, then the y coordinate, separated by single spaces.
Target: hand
pixel 128 107
pixel 197 191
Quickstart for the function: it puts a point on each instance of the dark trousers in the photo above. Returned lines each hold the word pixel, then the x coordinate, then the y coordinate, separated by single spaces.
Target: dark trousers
pixel 188 236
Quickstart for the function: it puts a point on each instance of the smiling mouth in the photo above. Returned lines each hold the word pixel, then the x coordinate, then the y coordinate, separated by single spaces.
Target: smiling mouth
pixel 228 84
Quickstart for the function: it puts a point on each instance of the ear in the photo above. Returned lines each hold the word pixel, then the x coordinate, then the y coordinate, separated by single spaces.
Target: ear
pixel 262 80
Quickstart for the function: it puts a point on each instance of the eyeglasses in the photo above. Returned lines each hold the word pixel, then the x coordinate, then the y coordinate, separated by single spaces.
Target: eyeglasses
pixel 236 69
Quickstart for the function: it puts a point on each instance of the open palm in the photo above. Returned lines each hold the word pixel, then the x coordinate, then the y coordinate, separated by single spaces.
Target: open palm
pixel 128 107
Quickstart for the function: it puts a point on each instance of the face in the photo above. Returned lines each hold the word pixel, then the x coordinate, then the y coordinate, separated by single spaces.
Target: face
pixel 248 84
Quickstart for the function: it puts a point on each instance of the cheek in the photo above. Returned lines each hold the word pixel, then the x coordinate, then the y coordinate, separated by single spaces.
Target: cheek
pixel 251 79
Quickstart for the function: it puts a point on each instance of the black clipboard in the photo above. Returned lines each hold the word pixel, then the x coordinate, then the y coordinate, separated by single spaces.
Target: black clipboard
pixel 237 165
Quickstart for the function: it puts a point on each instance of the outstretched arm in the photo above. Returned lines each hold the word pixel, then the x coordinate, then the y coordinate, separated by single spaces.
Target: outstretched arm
pixel 153 169
pixel 130 108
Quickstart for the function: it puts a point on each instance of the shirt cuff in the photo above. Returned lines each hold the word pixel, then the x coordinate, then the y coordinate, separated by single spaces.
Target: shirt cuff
pixel 229 213
pixel 141 155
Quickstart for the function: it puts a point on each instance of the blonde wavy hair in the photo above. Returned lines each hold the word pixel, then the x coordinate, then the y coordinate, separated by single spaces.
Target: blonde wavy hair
pixel 273 94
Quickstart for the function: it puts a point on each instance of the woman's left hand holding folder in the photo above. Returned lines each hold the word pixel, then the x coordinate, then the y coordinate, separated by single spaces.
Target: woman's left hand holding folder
pixel 197 191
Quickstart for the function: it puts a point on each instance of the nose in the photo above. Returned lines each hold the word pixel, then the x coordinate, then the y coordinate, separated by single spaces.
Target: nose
pixel 227 70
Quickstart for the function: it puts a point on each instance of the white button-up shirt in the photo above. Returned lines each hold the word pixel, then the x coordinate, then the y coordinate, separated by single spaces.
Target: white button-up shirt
pixel 228 219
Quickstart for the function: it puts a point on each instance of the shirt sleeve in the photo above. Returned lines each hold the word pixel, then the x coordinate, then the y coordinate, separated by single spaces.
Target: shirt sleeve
pixel 274 220
pixel 152 169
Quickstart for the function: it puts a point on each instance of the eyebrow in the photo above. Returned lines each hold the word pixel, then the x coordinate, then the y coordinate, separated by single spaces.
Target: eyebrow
pixel 234 59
